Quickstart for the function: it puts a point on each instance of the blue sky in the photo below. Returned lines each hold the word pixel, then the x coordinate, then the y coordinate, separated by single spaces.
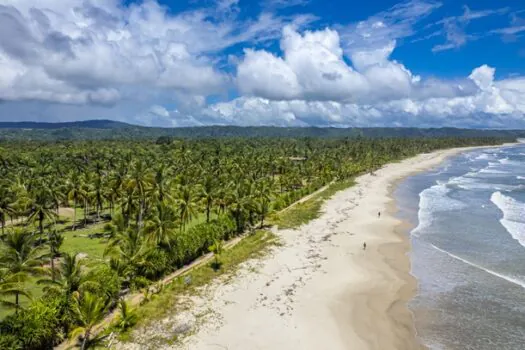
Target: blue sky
pixel 270 62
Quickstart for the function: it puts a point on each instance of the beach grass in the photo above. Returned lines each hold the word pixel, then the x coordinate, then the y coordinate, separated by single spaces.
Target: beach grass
pixel 304 212
pixel 168 301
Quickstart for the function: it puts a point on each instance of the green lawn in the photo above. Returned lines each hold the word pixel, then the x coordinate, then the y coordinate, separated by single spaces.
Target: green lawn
pixel 78 242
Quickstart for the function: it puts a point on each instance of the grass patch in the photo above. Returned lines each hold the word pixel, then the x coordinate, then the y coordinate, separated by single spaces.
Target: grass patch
pixel 167 301
pixel 78 241
pixel 305 212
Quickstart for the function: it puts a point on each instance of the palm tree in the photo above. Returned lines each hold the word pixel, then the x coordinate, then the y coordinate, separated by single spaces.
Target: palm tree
pixel 161 224
pixel 216 249
pixel 117 225
pixel 75 192
pixel 239 202
pixel 207 195
pixel 9 287
pixel 115 183
pixel 66 285
pixel 20 258
pixel 90 310
pixel 7 204
pixel 139 183
pixel 161 183
pixel 54 240
pixel 98 189
pixel 127 316
pixel 42 206
pixel 20 191
pixel 262 207
pixel 263 199
pixel 185 206
pixel 55 189
pixel 69 277
pixel 221 200
pixel 86 189
pixel 129 250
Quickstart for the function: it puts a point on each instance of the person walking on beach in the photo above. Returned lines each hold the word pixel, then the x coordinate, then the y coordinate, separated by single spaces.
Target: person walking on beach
pixel 378 214
pixel 364 245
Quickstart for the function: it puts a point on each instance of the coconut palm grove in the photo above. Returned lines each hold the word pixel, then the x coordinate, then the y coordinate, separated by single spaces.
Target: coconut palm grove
pixel 86 224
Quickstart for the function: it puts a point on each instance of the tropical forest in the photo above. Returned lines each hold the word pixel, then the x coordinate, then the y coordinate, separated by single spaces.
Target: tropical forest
pixel 91 231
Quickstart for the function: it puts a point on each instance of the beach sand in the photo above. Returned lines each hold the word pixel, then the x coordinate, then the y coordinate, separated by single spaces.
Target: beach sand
pixel 320 289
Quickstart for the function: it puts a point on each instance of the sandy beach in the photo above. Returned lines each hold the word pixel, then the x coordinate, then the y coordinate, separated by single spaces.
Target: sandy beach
pixel 320 289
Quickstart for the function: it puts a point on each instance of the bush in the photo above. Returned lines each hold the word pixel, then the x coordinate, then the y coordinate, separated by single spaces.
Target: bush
pixel 11 342
pixel 158 264
pixel 103 282
pixel 37 327
pixel 192 243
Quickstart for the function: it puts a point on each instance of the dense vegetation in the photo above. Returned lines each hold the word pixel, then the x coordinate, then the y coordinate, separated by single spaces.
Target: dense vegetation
pixel 150 207
pixel 106 130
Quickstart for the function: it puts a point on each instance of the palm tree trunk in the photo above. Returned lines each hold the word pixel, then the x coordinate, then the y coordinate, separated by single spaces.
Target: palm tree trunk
pixel 52 265
pixel 238 221
pixel 85 212
pixel 74 213
pixel 41 224
pixel 85 340
pixel 99 208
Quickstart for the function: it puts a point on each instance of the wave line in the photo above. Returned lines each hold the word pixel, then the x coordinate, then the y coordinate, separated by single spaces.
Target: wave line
pixel 494 273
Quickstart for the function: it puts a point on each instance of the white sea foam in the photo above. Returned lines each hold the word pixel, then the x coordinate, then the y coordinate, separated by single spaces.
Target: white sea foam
pixel 492 272
pixel 507 161
pixel 471 181
pixel 513 215
pixel 520 177
pixel 492 171
pixel 482 156
pixel 431 201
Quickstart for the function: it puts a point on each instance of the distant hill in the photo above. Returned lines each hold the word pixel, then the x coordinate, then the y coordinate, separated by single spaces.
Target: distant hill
pixel 107 129
pixel 88 124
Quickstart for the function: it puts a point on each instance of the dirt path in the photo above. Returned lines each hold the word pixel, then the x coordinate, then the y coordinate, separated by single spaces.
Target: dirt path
pixel 62 211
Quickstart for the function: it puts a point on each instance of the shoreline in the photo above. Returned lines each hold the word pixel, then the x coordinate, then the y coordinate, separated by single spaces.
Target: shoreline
pixel 395 254
pixel 320 289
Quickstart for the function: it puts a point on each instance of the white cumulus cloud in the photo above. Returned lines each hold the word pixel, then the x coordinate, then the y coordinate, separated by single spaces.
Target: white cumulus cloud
pixel 140 62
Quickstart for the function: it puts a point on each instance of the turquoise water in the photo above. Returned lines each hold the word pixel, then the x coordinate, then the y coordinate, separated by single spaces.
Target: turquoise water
pixel 468 250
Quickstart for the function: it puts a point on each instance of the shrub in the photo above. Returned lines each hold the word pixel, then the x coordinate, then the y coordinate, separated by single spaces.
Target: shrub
pixel 103 282
pixel 192 243
pixel 37 327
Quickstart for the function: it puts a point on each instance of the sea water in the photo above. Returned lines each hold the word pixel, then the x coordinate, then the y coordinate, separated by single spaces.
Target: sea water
pixel 468 249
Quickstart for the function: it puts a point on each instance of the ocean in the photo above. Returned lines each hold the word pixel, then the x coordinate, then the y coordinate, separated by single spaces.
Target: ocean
pixel 468 249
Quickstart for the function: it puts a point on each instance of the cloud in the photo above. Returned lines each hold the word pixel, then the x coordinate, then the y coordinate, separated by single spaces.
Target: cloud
pixel 278 4
pixel 498 104
pixel 142 63
pixel 454 28
pixel 313 68
pixel 77 52
pixel 509 30
pixel 385 27
pixel 513 31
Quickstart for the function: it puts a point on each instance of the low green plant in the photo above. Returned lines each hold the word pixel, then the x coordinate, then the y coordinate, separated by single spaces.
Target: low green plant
pixel 216 248
pixel 127 317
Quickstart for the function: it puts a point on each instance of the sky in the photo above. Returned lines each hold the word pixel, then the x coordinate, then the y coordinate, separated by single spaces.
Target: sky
pixel 341 63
